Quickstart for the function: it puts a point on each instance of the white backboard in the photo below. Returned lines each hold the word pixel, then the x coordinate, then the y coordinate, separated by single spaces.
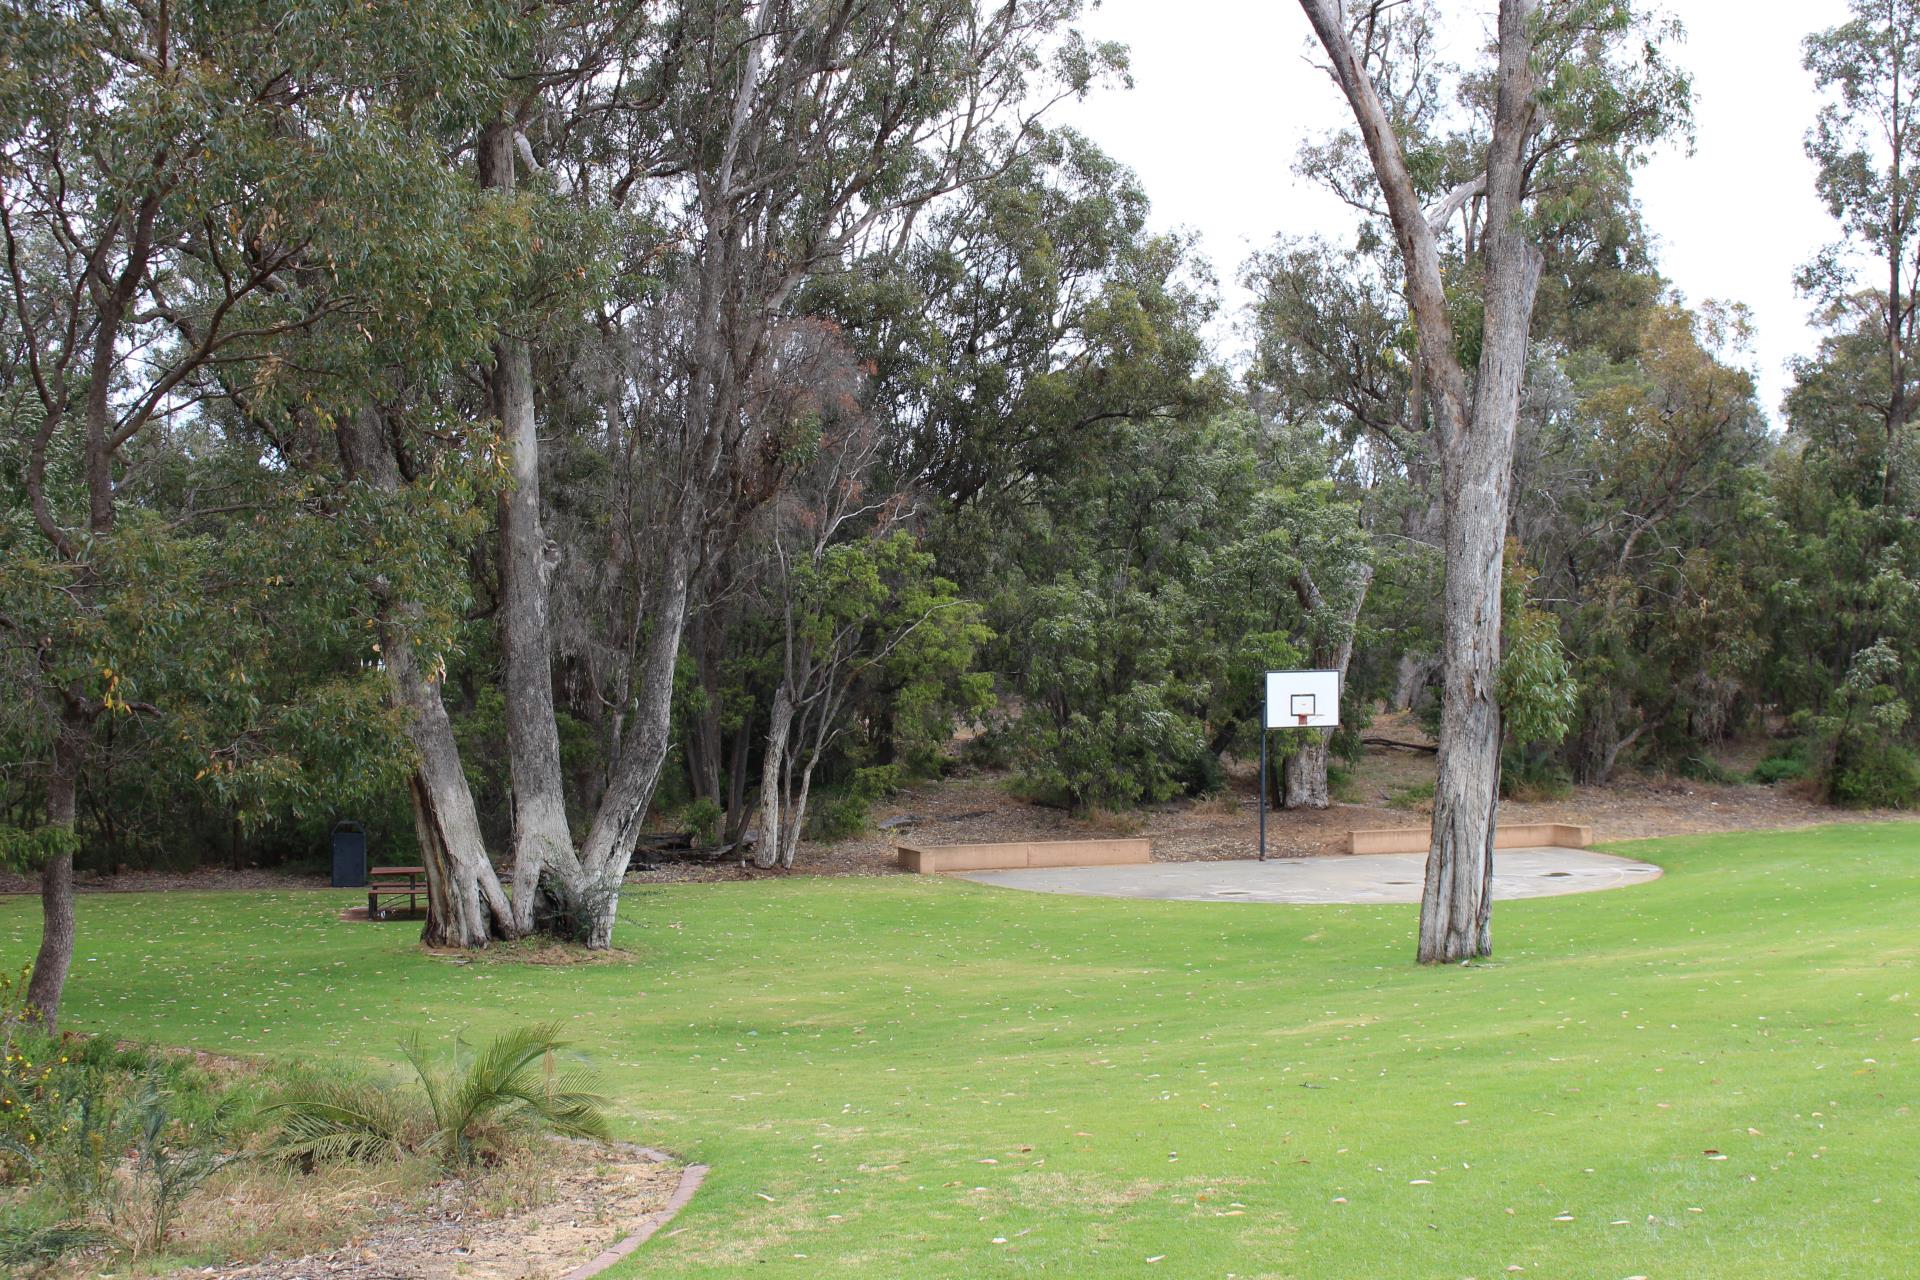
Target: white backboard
pixel 1303 699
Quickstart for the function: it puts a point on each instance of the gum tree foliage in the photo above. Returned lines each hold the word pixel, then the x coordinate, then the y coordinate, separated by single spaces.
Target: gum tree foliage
pixel 1039 373
pixel 1150 587
pixel 1537 689
pixel 184 189
pixel 1333 371
pixel 1865 145
pixel 1845 604
pixel 1113 619
pixel 1646 521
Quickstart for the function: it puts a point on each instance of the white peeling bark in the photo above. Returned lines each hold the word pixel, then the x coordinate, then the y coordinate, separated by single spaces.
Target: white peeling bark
pixel 595 896
pixel 1303 773
pixel 542 840
pixel 772 781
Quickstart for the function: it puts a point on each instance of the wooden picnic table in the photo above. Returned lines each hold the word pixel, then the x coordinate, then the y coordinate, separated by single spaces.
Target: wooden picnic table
pixel 394 882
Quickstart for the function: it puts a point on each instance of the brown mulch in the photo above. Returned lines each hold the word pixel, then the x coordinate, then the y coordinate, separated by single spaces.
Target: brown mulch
pixel 591 1197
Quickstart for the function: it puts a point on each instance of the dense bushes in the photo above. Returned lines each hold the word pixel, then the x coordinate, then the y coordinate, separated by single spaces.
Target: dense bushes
pixel 1875 775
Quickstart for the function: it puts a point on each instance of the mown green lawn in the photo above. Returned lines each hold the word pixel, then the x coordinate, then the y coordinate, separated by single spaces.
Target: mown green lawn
pixel 1711 1075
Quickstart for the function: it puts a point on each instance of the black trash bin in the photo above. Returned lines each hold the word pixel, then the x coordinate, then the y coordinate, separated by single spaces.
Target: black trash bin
pixel 349 855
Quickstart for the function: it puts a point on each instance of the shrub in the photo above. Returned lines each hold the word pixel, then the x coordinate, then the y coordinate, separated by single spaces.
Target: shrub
pixel 1343 782
pixel 1417 796
pixel 1788 762
pixel 1200 774
pixel 1875 775
pixel 840 813
pixel 1703 768
pixel 1532 774
pixel 835 814
pixel 169 1162
pixel 702 817
pixel 343 1119
pixel 99 1134
pixel 510 1086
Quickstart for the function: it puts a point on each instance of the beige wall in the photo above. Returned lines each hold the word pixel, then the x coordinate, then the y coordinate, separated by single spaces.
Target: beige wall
pixel 1031 853
pixel 1517 835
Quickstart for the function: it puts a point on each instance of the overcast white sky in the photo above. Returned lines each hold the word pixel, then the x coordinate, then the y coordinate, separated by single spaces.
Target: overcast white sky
pixel 1223 96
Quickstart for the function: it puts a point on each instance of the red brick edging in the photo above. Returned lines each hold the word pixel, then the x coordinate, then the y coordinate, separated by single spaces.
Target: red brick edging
pixel 690 1179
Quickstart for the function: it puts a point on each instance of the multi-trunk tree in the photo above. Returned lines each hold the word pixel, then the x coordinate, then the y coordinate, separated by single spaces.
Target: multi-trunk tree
pixel 788 140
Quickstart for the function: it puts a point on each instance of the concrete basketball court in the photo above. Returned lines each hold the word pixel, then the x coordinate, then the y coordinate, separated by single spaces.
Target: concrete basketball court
pixel 1365 877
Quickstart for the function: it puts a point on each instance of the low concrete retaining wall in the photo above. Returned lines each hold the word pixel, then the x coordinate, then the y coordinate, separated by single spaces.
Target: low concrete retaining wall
pixel 1517 835
pixel 1027 853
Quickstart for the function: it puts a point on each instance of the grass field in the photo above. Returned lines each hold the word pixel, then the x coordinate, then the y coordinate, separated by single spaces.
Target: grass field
pixel 1711 1075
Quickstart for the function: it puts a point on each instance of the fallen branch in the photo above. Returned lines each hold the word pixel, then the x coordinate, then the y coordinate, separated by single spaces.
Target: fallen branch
pixel 1398 745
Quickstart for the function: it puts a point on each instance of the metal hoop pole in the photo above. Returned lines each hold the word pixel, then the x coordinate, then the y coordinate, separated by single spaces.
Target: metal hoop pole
pixel 1263 785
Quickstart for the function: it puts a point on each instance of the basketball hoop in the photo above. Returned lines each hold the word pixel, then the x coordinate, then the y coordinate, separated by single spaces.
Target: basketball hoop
pixel 1295 700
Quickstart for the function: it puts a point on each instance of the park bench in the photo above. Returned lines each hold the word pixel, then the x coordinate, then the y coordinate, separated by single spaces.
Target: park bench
pixel 394 882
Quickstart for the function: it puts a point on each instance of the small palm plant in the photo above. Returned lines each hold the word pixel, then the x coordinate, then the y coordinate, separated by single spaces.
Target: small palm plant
pixel 513 1084
pixel 334 1120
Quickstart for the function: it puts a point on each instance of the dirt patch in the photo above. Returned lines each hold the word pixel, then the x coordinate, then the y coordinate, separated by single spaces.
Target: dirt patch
pixel 590 1197
pixel 1388 788
pixel 200 880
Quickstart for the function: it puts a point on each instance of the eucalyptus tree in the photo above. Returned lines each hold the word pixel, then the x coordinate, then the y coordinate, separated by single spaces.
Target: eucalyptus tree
pixel 858 603
pixel 1574 89
pixel 1035 341
pixel 792 139
pixel 1865 145
pixel 184 189
pixel 1333 376
pixel 1848 483
pixel 1648 521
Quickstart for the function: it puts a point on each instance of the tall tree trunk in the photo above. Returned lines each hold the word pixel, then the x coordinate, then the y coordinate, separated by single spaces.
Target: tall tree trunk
pixel 593 899
pixel 797 814
pixel 767 851
pixel 1476 475
pixel 541 837
pixel 55 957
pixel 74 734
pixel 466 906
pixel 1476 448
pixel 1456 904
pixel 706 737
pixel 1409 678
pixel 1303 772
pixel 735 802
